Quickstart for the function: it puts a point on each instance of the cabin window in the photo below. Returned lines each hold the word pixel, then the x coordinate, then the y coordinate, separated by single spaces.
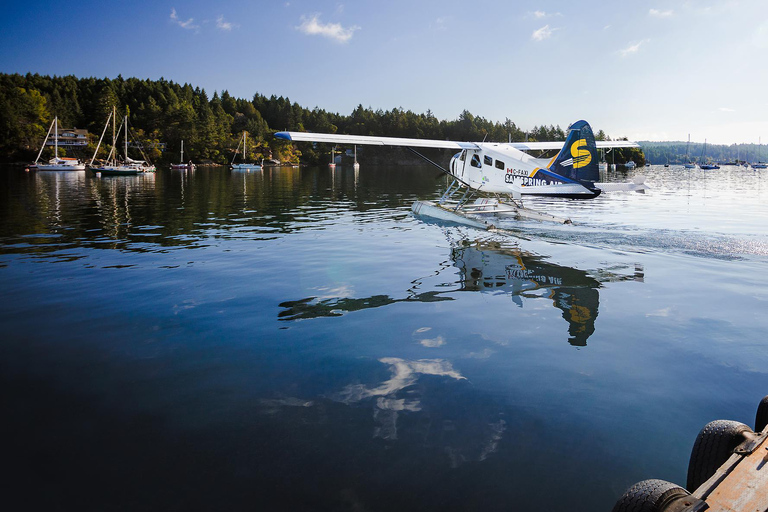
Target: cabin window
pixel 463 154
pixel 487 160
pixel 500 165
pixel 475 161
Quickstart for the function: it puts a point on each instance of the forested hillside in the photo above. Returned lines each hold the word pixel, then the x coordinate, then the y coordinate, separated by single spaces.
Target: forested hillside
pixel 676 153
pixel 163 113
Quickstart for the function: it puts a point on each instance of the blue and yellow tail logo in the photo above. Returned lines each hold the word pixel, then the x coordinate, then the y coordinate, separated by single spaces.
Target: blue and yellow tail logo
pixel 580 153
pixel 578 159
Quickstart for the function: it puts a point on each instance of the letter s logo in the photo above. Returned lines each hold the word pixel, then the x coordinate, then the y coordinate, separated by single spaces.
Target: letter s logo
pixel 581 155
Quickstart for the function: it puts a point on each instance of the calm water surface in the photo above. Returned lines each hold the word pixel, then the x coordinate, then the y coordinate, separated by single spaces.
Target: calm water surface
pixel 295 339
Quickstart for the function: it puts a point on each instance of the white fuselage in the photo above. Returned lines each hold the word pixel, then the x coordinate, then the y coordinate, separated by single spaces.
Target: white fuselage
pixel 501 169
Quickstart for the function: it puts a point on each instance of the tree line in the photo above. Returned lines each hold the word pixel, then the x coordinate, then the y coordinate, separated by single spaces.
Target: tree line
pixel 163 113
pixel 678 153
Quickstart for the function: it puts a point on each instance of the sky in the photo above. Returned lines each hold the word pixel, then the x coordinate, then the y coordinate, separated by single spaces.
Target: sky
pixel 646 70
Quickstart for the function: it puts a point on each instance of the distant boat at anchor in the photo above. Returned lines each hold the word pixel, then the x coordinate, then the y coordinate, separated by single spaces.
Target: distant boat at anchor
pixel 688 164
pixel 759 164
pixel 244 165
pixel 703 166
pixel 57 163
pixel 112 167
pixel 182 165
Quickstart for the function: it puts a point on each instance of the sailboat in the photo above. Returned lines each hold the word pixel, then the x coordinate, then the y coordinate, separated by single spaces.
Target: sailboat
pixel 183 165
pixel 356 165
pixel 244 165
pixel 759 164
pixel 702 165
pixel 688 164
pixel 57 163
pixel 332 165
pixel 112 167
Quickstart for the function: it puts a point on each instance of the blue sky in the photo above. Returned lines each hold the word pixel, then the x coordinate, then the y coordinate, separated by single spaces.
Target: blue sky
pixel 644 70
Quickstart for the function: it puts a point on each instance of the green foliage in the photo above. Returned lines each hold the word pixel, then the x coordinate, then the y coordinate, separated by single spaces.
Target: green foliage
pixel 163 113
pixel 678 153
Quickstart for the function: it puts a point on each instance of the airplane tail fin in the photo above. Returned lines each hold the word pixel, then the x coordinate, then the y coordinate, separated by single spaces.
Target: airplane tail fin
pixel 578 159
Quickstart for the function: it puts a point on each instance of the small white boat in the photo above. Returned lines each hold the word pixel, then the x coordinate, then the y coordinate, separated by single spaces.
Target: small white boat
pixel 244 166
pixel 57 163
pixel 688 164
pixel 630 165
pixel 759 164
pixel 183 166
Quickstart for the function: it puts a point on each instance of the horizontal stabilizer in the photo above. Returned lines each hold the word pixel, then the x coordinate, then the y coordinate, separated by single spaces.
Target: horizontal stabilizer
pixel 636 185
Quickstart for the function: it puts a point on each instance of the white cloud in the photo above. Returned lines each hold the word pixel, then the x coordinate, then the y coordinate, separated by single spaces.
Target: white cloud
pixel 439 24
pixel 313 27
pixel 666 312
pixel 660 14
pixel 189 24
pixel 760 37
pixel 541 34
pixel 223 25
pixel 433 342
pixel 543 14
pixel 631 49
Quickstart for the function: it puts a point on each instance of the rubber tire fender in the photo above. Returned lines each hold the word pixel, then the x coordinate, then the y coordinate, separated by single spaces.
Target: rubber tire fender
pixel 761 418
pixel 650 496
pixel 713 446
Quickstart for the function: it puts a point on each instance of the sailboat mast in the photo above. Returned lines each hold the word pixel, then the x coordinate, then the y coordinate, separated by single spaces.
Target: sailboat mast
pixel 126 138
pixel 46 140
pixel 56 137
pixel 114 128
pixel 103 132
pixel 182 152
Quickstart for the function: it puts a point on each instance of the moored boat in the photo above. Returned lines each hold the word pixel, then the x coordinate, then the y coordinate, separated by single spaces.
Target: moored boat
pixel 56 163
pixel 759 164
pixel 183 166
pixel 244 165
pixel 129 166
pixel 688 164
pixel 705 166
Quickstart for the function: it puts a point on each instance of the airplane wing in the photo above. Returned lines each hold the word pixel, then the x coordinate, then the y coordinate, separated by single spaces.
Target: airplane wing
pixel 334 138
pixel 601 144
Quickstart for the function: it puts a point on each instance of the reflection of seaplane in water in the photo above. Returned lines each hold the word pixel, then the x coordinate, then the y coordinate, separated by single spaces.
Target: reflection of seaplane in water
pixel 488 266
pixel 503 172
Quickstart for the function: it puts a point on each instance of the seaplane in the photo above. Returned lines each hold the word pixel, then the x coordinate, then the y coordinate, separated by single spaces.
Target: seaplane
pixel 492 177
